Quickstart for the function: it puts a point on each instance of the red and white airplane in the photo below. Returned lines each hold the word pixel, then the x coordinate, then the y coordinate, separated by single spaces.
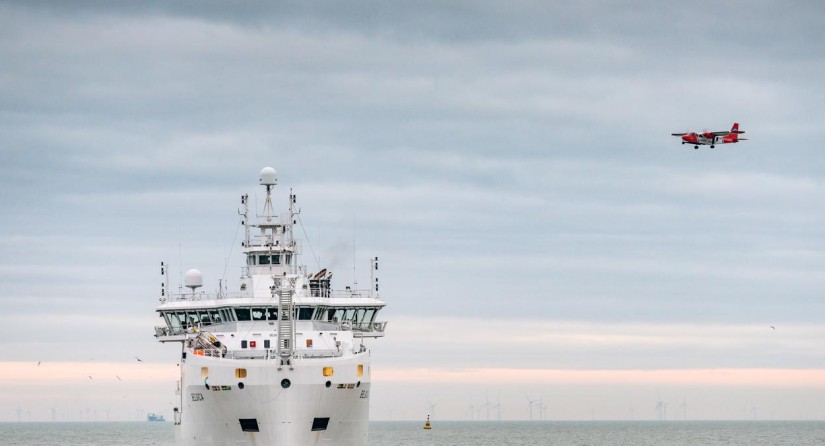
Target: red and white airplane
pixel 712 138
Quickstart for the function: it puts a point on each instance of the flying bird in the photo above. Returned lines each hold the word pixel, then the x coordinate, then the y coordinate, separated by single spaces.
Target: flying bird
pixel 118 378
pixel 138 359
pixel 38 363
pixel 773 327
pixel 90 376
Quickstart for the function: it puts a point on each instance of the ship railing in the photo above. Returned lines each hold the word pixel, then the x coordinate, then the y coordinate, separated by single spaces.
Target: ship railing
pixel 202 295
pixel 367 329
pixel 272 354
pixel 168 331
pixel 256 241
pixel 352 293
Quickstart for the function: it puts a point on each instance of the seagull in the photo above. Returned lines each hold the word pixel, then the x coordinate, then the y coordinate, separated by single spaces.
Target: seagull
pixel 138 359
pixel 773 327
pixel 38 363
pixel 118 378
pixel 90 376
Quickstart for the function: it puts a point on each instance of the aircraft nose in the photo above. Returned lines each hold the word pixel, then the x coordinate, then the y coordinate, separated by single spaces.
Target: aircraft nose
pixel 685 138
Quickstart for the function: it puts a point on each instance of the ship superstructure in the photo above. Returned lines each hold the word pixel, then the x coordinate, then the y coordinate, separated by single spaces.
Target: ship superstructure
pixel 282 360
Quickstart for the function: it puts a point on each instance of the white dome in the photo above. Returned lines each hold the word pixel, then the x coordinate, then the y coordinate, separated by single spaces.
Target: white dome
pixel 193 279
pixel 268 177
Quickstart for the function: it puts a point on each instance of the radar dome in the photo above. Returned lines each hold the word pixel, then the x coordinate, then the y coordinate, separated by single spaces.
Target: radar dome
pixel 193 279
pixel 268 177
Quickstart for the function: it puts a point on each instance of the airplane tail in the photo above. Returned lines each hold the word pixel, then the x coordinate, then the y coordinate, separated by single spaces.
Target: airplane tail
pixel 735 132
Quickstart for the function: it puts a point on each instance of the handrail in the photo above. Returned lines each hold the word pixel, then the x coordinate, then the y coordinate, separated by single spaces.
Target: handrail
pixel 203 296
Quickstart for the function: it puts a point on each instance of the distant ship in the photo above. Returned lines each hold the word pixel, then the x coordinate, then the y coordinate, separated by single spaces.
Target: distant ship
pixel 154 417
pixel 282 360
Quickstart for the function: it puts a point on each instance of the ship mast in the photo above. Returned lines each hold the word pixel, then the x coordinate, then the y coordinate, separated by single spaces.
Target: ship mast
pixel 283 287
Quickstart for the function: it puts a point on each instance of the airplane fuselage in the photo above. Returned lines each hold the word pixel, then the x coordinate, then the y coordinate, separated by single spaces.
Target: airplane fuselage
pixel 700 139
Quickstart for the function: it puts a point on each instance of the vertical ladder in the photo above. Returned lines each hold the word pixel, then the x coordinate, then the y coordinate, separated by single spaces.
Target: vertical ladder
pixel 286 325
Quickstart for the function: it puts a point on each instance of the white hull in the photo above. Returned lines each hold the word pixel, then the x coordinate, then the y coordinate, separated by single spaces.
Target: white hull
pixel 284 416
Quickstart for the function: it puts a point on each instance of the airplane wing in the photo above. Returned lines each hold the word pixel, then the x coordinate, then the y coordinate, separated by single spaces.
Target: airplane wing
pixel 727 132
pixel 678 134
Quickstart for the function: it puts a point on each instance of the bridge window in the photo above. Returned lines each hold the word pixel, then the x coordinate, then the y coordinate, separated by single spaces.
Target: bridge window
pixel 276 259
pixel 368 315
pixel 272 313
pixel 258 314
pixel 242 314
pixel 305 313
pixel 216 316
pixel 250 260
pixel 335 315
pixel 288 259
pixel 173 321
pixel 263 260
pixel 178 319
pixel 192 319
pixel 359 314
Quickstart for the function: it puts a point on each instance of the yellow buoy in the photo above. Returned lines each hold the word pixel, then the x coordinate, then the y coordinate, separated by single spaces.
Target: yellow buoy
pixel 427 423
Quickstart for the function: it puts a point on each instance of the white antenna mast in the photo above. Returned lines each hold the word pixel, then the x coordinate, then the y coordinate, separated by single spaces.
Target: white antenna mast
pixel 268 178
pixel 354 276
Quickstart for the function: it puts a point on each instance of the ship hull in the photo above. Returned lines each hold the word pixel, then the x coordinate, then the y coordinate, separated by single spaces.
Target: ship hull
pixel 308 409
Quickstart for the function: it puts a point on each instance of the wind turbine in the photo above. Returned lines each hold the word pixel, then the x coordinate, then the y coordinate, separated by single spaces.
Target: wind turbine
pixel 683 408
pixel 530 406
pixel 543 411
pixel 498 409
pixel 660 406
pixel 471 410
pixel 487 406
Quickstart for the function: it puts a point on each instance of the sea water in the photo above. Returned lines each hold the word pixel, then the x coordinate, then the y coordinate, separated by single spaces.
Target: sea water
pixel 470 433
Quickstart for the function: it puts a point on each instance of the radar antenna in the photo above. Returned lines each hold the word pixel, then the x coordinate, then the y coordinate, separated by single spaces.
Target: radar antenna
pixel 268 178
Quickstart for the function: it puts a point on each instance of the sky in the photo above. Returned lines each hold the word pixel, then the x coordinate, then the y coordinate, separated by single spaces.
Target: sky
pixel 541 235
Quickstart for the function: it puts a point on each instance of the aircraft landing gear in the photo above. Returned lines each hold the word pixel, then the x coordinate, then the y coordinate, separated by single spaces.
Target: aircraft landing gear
pixel 711 146
pixel 696 147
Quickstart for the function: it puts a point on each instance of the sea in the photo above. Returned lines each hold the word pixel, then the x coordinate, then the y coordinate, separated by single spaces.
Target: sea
pixel 459 433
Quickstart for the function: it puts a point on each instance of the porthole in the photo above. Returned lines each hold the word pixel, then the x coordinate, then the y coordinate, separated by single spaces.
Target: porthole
pixel 240 385
pixel 329 383
pixel 285 383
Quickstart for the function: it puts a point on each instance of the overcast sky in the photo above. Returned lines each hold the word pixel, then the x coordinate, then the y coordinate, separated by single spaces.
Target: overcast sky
pixel 540 232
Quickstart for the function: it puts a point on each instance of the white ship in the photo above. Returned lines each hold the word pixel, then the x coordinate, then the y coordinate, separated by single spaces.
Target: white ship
pixel 281 361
